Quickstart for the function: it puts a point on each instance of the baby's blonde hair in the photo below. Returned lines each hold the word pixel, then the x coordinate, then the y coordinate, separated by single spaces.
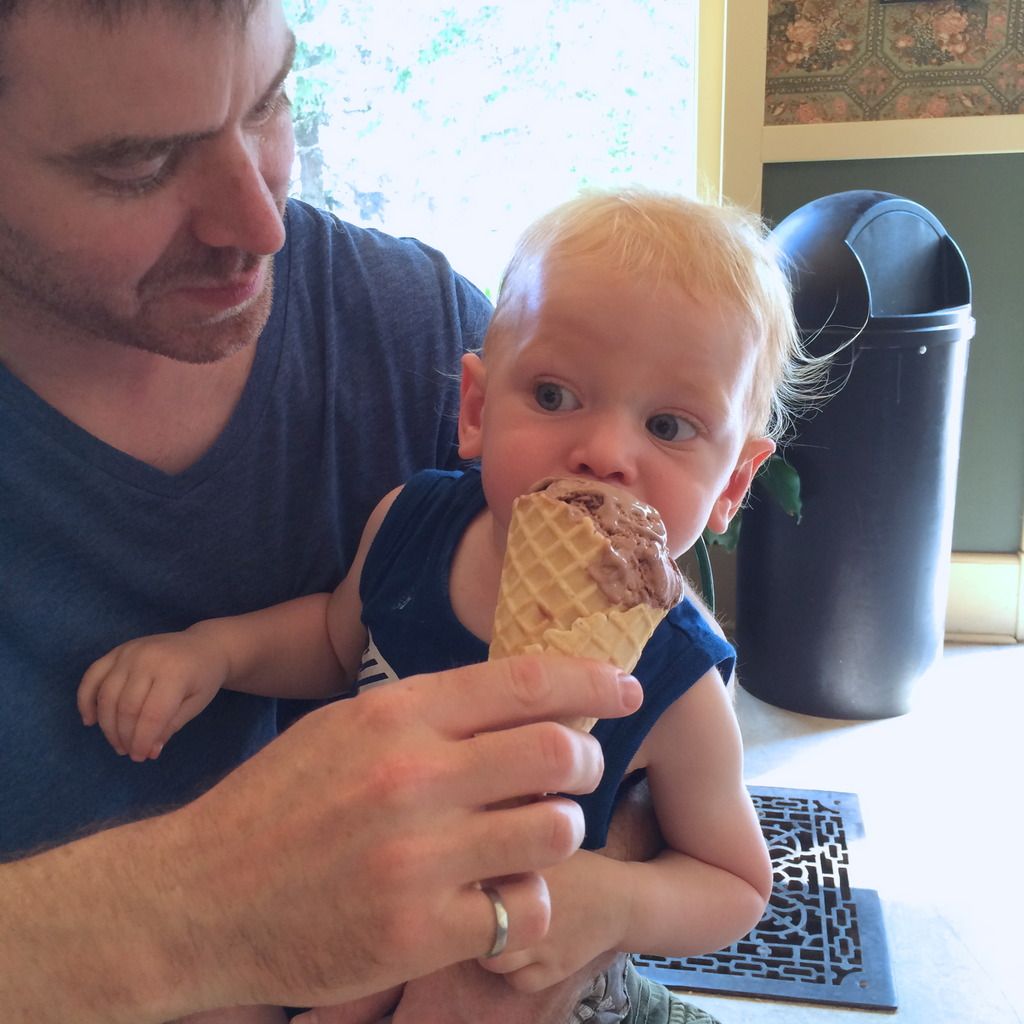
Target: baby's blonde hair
pixel 714 253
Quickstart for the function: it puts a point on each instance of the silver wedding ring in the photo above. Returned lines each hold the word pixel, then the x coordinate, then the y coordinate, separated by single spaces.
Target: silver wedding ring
pixel 500 921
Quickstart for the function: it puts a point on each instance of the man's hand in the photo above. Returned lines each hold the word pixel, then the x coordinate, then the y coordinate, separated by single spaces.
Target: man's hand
pixel 342 859
pixel 380 809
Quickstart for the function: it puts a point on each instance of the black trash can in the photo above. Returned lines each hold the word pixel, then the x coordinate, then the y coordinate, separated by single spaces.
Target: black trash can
pixel 838 616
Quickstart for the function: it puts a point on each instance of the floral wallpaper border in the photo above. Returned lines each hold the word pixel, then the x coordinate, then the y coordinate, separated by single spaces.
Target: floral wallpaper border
pixel 861 60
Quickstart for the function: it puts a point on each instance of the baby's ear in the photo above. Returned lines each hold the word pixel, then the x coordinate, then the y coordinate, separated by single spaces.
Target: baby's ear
pixel 753 453
pixel 471 406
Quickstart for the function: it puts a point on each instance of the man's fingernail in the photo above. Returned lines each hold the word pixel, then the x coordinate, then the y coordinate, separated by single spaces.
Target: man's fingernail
pixel 631 690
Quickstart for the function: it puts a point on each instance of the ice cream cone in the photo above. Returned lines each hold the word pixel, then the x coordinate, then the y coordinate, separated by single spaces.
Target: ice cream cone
pixel 553 597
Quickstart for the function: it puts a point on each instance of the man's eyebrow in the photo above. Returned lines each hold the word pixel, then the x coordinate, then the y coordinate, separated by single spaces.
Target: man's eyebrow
pixel 117 150
pixel 127 149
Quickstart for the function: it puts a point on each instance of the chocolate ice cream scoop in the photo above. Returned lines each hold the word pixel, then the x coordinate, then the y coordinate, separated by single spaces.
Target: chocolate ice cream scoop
pixel 635 567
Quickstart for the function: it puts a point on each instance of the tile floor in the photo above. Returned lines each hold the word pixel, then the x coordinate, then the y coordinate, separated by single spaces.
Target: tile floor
pixel 940 795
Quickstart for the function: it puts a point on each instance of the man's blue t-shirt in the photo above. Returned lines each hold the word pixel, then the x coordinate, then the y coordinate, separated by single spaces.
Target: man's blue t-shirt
pixel 353 388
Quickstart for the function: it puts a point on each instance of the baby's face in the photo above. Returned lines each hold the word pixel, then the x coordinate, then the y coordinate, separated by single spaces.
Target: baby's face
pixel 604 376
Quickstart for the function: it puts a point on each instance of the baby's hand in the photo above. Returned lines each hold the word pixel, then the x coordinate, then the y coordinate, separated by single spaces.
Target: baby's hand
pixel 589 909
pixel 144 691
pixel 368 1010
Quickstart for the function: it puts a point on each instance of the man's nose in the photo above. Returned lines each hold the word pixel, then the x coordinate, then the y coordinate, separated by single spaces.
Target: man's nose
pixel 605 448
pixel 235 207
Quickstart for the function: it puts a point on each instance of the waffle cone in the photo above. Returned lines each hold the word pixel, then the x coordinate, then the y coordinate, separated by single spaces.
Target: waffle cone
pixel 548 602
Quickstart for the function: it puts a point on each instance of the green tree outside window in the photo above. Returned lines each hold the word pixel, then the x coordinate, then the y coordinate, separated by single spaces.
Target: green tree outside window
pixel 459 122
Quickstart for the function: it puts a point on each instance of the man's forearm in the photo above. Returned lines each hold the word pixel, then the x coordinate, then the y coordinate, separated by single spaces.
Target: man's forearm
pixel 77 941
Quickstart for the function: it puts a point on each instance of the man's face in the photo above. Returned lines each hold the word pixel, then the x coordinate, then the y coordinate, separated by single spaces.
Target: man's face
pixel 143 175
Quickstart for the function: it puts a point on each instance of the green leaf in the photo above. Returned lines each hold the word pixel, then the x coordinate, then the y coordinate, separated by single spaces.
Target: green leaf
pixel 782 482
pixel 727 540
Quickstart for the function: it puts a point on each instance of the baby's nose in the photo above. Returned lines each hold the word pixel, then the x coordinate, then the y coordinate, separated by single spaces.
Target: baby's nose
pixel 605 451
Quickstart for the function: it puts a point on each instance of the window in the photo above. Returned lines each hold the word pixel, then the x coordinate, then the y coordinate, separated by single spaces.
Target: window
pixel 459 122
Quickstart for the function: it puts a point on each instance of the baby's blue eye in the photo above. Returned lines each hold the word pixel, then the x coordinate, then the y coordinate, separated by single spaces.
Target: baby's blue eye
pixel 555 398
pixel 666 427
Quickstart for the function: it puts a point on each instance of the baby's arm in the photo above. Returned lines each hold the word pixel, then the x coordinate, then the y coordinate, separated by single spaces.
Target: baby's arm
pixel 145 690
pixel 712 883
pixel 706 889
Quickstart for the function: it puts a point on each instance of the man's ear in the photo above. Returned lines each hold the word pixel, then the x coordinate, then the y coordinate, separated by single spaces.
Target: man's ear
pixel 752 454
pixel 471 406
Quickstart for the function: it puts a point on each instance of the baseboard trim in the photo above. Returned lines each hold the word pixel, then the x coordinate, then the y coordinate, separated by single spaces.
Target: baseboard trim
pixel 986 598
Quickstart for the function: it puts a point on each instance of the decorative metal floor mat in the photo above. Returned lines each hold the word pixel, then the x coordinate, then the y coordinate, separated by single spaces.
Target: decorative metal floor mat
pixel 820 940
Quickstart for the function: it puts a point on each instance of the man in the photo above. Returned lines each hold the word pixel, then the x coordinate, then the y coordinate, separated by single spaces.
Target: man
pixel 203 390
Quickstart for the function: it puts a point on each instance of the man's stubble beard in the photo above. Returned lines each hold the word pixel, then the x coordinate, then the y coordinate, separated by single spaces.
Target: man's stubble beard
pixel 38 293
